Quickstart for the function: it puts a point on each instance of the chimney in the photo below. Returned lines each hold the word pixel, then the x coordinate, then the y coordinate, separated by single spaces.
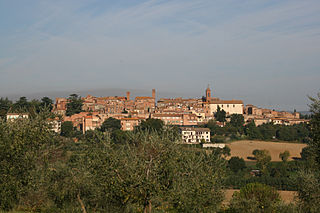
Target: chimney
pixel 128 96
pixel 154 93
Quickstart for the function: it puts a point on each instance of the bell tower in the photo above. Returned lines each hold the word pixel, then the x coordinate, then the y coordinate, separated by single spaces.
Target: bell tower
pixel 154 93
pixel 208 94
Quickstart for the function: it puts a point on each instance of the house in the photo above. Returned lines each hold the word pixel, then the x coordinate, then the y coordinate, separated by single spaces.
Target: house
pixel 13 116
pixel 128 124
pixel 195 135
pixel 55 124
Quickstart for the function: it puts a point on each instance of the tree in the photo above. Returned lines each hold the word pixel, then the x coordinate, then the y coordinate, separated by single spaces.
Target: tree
pixel 111 124
pixel 237 120
pixel 67 129
pixel 5 105
pixel 47 103
pixel 308 156
pixel 309 178
pixel 215 129
pixel 25 147
pixel 252 131
pixel 152 124
pixel 263 158
pixel 268 131
pixel 22 105
pixel 315 127
pixel 220 115
pixel 74 105
pixel 255 197
pixel 308 191
pixel 284 156
pixel 236 164
pixel 147 172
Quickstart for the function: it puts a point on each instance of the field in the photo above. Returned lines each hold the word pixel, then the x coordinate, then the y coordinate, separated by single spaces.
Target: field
pixel 244 149
pixel 286 196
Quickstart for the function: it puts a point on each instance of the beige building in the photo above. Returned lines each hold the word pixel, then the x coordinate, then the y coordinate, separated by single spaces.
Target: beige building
pixel 195 135
pixel 55 125
pixel 211 105
pixel 128 124
pixel 229 106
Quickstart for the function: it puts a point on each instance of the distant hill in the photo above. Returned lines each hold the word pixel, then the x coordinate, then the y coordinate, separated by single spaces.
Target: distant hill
pixel 96 92
pixel 305 112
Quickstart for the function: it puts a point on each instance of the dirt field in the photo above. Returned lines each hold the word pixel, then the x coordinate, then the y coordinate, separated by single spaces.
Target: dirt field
pixel 244 149
pixel 286 196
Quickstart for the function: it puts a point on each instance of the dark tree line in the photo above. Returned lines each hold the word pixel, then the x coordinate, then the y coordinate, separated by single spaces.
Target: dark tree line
pixel 235 129
pixel 24 106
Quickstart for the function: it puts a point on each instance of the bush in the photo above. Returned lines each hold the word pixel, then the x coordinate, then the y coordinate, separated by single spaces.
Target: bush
pixel 218 139
pixel 236 164
pixel 255 197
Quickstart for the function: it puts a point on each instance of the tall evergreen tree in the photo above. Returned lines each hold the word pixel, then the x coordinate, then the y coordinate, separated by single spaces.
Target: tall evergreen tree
pixel 220 115
pixel 74 105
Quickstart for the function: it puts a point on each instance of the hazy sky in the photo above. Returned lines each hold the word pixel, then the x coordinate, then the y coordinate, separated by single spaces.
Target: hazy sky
pixel 265 52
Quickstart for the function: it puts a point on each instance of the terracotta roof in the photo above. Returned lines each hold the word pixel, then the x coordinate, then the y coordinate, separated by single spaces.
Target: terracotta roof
pixel 226 102
pixel 144 97
pixel 167 115
pixel 195 129
pixel 130 118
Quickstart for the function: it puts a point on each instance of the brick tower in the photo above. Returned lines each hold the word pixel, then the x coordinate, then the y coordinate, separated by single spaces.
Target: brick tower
pixel 208 94
pixel 154 93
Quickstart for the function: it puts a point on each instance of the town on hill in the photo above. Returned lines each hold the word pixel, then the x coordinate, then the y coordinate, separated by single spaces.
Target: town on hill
pixel 172 111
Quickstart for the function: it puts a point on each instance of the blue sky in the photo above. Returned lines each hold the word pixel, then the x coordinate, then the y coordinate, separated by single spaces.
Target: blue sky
pixel 264 52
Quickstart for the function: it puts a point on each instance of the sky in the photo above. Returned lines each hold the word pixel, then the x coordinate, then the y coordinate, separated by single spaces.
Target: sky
pixel 264 52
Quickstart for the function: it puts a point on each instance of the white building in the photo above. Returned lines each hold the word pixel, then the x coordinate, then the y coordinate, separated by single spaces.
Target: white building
pixel 13 116
pixel 195 135
pixel 229 106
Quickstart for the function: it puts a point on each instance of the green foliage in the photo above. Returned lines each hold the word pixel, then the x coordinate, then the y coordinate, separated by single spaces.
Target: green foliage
pixel 152 124
pixel 218 139
pixel 269 131
pixel 252 131
pixel 67 129
pixel 22 105
pixel 309 178
pixel 284 156
pixel 309 191
pixel 308 156
pixel 74 105
pixel 42 171
pixel 214 128
pixel 5 105
pixel 237 120
pixel 46 103
pixel 236 164
pixel 263 158
pixel 24 146
pixel 220 115
pixel 118 136
pixel 147 171
pixel 255 197
pixel 111 124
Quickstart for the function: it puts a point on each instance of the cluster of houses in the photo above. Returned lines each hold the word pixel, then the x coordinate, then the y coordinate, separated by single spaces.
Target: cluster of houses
pixel 177 111
pixel 186 113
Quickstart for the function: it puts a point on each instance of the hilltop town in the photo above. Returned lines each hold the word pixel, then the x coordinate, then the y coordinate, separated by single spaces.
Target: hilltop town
pixel 172 111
